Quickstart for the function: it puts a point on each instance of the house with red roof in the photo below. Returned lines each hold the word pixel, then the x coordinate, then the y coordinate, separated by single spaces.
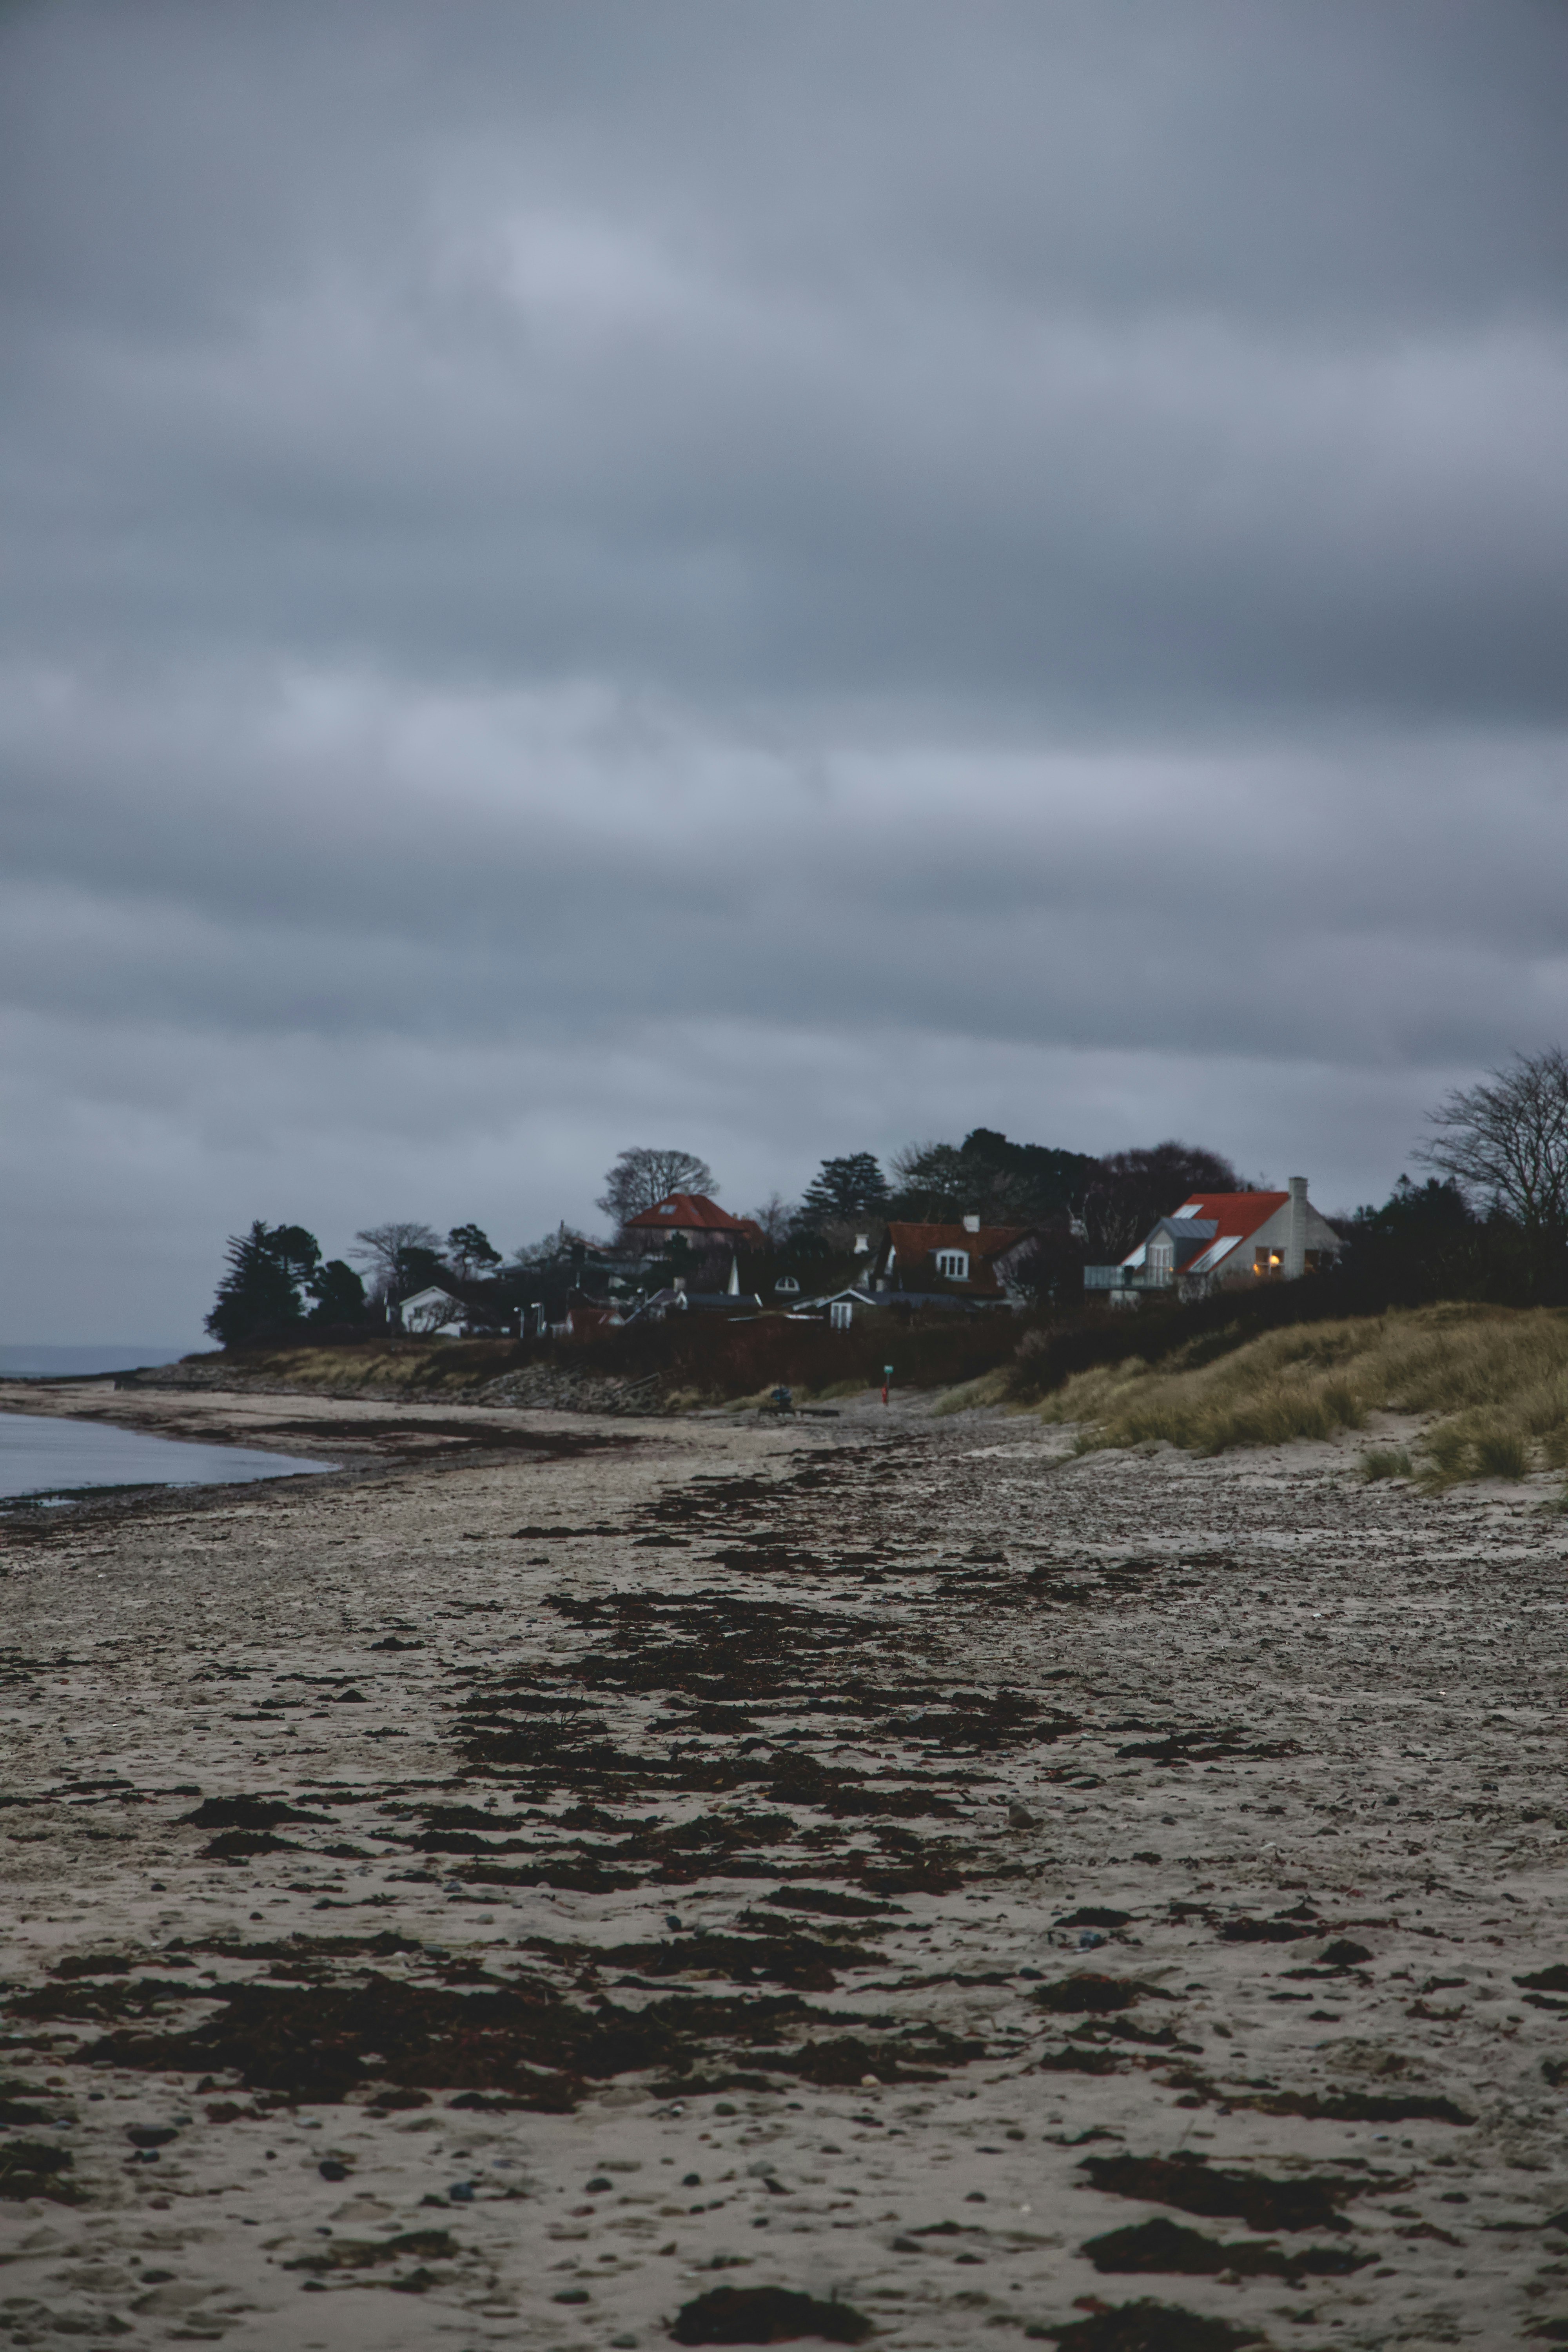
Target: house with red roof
pixel 967 1262
pixel 692 1217
pixel 1224 1238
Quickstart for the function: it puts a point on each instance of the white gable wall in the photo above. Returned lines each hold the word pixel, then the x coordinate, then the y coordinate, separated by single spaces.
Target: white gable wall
pixel 1274 1234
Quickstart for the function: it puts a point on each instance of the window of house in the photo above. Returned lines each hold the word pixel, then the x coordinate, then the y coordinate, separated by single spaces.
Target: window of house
pixel 786 1282
pixel 667 1208
pixel 954 1264
pixel 1161 1256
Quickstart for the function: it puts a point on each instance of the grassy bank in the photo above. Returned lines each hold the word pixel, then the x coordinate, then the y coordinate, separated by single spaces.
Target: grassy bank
pixel 377 1367
pixel 1496 1378
pixel 689 1361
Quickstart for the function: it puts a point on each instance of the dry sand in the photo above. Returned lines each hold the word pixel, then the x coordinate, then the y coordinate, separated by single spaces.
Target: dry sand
pixel 826 1857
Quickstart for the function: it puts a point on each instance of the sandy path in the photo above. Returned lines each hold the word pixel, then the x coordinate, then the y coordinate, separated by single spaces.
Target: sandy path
pixel 712 1810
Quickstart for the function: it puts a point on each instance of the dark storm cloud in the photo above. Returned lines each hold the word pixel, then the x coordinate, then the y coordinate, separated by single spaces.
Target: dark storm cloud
pixel 813 574
pixel 1068 365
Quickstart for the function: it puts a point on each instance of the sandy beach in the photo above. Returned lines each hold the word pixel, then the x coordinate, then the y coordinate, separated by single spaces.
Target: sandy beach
pixel 554 1870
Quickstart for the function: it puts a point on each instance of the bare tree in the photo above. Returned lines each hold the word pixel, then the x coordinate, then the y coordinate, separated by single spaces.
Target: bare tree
pixel 1132 1189
pixel 642 1178
pixel 775 1217
pixel 396 1254
pixel 1507 1143
pixel 930 1180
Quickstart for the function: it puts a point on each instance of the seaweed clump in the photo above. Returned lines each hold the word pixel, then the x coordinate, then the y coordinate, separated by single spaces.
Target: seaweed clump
pixel 1169 2246
pixel 766 2315
pixel 1148 2327
pixel 1192 2186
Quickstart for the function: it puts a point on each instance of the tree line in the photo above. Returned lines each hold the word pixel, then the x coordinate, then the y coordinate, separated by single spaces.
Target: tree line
pixel 277 1281
pixel 1492 1221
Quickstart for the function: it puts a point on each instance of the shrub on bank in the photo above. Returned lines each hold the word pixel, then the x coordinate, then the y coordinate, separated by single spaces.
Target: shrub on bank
pixel 704 1357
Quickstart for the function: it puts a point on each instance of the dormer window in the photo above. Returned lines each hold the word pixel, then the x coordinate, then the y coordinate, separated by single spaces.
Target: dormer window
pixel 786 1282
pixel 954 1264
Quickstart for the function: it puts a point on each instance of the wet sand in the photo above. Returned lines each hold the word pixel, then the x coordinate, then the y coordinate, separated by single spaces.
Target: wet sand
pixel 554 1869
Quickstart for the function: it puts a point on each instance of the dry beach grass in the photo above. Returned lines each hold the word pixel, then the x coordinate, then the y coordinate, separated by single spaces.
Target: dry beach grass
pixel 1490 1382
pixel 556 1875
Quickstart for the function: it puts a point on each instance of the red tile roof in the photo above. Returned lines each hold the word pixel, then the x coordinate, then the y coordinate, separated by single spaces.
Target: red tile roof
pixel 692 1212
pixel 916 1245
pixel 1236 1216
pixel 1234 1213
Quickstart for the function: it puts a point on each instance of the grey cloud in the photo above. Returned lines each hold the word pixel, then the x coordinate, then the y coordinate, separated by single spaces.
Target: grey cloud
pixel 438 868
pixel 785 580
pixel 989 370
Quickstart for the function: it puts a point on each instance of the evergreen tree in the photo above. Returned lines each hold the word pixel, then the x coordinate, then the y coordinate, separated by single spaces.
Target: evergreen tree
pixel 986 1175
pixel 338 1293
pixel 843 1190
pixel 260 1292
pixel 469 1252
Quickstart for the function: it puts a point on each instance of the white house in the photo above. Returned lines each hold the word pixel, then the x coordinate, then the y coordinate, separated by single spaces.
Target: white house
pixel 431 1314
pixel 1224 1238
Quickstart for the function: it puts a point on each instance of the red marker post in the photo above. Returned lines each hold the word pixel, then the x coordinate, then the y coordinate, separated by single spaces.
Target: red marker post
pixel 886 1376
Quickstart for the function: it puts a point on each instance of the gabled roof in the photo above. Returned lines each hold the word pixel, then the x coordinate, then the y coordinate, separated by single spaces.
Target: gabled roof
pixel 918 1241
pixel 912 1246
pixel 1209 1225
pixel 689 1213
pixel 1235 1213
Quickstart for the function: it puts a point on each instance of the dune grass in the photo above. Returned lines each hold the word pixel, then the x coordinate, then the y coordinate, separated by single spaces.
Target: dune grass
pixel 390 1370
pixel 1386 1462
pixel 1494 1378
pixel 991 1388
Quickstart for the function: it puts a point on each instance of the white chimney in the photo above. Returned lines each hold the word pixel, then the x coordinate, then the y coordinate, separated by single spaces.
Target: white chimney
pixel 972 1225
pixel 1296 1230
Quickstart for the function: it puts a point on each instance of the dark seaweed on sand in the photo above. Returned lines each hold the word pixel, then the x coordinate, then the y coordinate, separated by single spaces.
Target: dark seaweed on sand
pixel 1167 2246
pixel 1148 2327
pixel 1194 2186
pixel 766 2315
pixel 322 2040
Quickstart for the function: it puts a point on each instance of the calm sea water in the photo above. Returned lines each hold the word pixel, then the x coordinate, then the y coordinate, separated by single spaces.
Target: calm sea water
pixel 43 1457
pixel 67 1363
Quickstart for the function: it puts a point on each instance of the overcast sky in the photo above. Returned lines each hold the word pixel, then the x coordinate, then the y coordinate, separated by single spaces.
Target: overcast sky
pixel 777 580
